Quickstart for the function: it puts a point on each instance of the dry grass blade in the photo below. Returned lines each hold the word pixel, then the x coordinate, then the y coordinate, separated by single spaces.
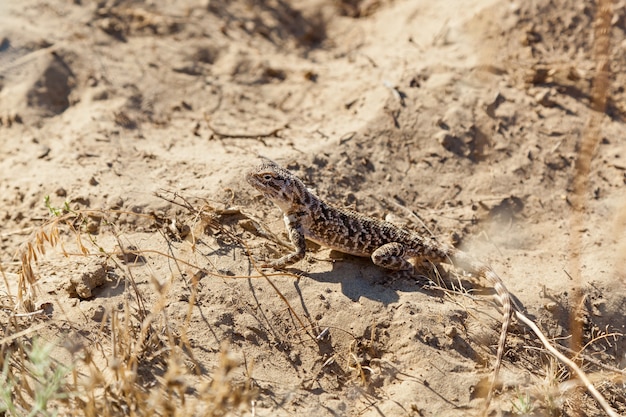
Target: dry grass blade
pixel 28 254
pixel 571 364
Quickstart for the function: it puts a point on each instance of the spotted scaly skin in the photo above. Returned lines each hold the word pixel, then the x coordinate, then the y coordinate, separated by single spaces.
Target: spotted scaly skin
pixel 307 216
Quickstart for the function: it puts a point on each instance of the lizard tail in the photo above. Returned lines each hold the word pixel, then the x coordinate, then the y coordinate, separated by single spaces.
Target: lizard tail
pixel 469 264
pixel 507 311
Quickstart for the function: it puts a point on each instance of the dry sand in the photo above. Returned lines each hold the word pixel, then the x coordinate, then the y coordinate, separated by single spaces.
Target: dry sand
pixel 458 118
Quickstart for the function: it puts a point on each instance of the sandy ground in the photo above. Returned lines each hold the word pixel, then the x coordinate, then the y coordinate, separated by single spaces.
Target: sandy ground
pixel 460 119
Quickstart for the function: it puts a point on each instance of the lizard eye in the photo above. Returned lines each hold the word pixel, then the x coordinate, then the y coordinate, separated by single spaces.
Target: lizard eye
pixel 267 177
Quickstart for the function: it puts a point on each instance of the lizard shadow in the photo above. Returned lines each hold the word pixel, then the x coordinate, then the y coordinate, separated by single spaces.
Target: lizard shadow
pixel 358 277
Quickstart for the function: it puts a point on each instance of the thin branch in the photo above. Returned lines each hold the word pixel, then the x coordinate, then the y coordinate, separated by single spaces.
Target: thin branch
pixel 571 364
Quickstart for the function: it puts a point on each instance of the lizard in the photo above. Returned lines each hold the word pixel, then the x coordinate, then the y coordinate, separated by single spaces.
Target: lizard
pixel 307 216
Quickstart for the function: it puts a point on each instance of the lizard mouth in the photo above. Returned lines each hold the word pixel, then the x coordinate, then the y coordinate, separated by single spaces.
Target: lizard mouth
pixel 254 181
pixel 267 190
pixel 251 180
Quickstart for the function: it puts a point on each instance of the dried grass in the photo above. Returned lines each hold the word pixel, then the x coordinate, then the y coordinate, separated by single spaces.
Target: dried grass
pixel 137 364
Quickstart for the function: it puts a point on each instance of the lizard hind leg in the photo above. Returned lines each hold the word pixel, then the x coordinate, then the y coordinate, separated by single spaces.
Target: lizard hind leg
pixel 392 256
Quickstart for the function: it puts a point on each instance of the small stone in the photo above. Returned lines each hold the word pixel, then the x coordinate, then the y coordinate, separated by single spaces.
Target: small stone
pixel 451 143
pixel 251 336
pixel 294 356
pixel 545 99
pixel 451 332
pixel 92 226
pixel 81 201
pixel 47 307
pixel 89 275
pixel 43 151
pixel 551 306
pixel 556 161
pixel 493 106
pixel 61 192
pixel 98 314
pixel 115 202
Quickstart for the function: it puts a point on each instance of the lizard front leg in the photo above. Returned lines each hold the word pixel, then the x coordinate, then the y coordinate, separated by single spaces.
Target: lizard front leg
pixel 392 256
pixel 296 236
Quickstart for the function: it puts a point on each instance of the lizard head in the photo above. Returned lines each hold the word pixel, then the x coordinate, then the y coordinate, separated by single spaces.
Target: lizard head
pixel 278 185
